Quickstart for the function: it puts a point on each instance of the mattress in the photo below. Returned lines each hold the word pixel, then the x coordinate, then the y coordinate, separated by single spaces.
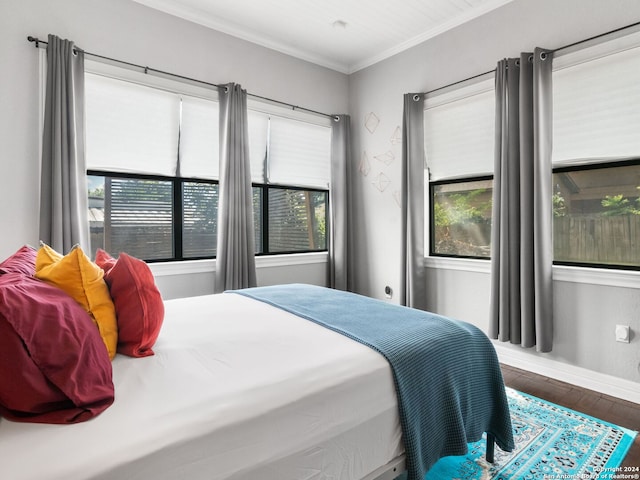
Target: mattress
pixel 237 389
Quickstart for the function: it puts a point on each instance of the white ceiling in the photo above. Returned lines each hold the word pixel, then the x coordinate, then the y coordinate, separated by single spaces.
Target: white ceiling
pixel 344 35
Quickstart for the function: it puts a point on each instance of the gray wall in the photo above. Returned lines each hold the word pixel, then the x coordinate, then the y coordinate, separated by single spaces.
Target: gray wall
pixel 586 313
pixel 188 279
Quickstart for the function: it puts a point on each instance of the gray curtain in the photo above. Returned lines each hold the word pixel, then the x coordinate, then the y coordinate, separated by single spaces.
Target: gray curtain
pixel 339 204
pixel 522 246
pixel 414 287
pixel 235 255
pixel 63 184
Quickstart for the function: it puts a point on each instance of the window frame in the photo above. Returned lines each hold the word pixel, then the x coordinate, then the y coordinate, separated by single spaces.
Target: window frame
pixel 264 199
pixel 178 205
pixel 432 229
pixel 595 165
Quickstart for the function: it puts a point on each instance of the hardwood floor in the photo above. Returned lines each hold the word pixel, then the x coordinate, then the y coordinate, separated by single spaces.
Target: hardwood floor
pixel 607 408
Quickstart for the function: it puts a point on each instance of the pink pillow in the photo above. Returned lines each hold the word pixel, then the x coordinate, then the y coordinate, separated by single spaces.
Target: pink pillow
pixel 23 261
pixel 53 364
pixel 139 305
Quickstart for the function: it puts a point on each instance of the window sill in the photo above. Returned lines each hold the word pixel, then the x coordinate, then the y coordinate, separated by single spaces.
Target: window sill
pixel 463 264
pixel 187 267
pixel 597 276
pixel 289 259
pixel 163 269
pixel 561 273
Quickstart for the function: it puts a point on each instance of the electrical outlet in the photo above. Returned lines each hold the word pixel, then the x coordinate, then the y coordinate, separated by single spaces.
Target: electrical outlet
pixel 388 292
pixel 622 333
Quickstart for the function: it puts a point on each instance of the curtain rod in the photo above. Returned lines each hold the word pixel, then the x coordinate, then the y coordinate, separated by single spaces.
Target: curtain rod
pixel 554 51
pixel 146 69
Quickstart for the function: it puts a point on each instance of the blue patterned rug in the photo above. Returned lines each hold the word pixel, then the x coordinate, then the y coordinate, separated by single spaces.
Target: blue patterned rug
pixel 552 442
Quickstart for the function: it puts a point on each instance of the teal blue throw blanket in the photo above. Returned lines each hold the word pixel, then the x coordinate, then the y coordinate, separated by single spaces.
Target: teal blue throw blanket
pixel 446 372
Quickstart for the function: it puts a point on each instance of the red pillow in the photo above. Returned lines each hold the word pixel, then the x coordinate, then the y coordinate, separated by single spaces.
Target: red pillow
pixel 23 261
pixel 139 305
pixel 105 261
pixel 53 364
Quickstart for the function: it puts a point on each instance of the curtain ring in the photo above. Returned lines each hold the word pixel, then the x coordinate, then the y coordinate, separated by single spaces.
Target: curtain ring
pixel 416 97
pixel 530 58
pixel 517 62
pixel 146 70
pixel 543 55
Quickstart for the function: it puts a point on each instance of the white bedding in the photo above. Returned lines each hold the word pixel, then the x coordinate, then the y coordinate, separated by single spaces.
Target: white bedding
pixel 237 390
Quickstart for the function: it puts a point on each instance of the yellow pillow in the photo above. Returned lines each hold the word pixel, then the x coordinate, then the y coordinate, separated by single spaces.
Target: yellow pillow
pixel 46 256
pixel 83 280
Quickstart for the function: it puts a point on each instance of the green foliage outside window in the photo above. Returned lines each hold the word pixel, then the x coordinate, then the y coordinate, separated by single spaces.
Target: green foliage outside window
pixel 463 208
pixel 462 219
pixel 619 205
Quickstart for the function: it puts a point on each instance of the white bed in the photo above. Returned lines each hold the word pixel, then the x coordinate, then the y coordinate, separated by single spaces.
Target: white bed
pixel 236 390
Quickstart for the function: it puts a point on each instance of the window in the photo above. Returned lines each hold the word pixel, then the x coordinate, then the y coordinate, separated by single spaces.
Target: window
pixel 290 171
pixel 596 177
pixel 153 168
pixel 152 154
pixel 461 213
pixel 459 136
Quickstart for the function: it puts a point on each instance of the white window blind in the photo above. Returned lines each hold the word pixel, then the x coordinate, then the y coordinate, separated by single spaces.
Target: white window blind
pixel 258 130
pixel 142 128
pixel 199 138
pixel 459 131
pixel 130 128
pixel 299 153
pixel 596 102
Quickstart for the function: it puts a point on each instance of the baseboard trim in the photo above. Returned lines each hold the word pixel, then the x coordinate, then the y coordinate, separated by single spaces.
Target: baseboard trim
pixel 581 377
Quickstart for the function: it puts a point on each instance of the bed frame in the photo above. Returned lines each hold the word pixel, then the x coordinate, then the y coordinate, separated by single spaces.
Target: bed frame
pixel 396 469
pixel 391 471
